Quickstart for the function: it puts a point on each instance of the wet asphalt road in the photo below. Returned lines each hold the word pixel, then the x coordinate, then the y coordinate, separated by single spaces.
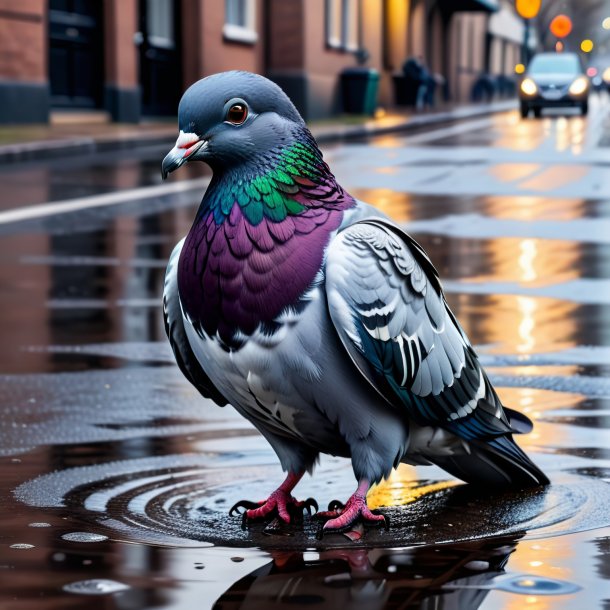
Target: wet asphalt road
pixel 115 477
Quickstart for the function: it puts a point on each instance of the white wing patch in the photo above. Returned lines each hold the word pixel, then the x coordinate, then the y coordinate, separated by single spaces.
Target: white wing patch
pixel 413 345
pixel 471 405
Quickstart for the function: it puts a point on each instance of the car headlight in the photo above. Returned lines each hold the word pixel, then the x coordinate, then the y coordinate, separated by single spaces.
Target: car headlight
pixel 579 86
pixel 528 86
pixel 606 76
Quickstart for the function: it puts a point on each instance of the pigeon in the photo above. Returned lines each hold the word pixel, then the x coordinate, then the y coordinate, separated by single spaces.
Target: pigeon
pixel 317 318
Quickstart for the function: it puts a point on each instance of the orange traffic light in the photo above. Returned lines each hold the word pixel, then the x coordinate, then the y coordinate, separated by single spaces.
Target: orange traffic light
pixel 561 26
pixel 527 8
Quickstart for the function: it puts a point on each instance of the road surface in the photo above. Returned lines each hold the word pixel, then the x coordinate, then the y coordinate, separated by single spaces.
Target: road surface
pixel 115 475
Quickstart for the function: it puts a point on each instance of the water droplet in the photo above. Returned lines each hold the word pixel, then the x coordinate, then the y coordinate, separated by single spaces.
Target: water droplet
pixel 95 586
pixel 22 545
pixel 39 524
pixel 341 579
pixel 237 559
pixel 84 537
pixel 392 569
pixel 528 584
pixel 311 556
pixel 479 566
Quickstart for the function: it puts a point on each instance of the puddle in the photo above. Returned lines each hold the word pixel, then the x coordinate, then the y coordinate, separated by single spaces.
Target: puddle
pixel 95 587
pixel 184 499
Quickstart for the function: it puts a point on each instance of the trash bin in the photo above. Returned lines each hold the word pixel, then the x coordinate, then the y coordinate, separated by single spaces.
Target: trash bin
pixel 359 90
pixel 405 90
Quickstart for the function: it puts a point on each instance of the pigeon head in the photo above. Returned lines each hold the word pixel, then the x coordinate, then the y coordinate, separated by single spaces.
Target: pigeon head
pixel 231 118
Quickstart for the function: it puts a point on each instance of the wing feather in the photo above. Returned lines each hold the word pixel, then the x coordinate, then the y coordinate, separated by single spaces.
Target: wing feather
pixel 387 305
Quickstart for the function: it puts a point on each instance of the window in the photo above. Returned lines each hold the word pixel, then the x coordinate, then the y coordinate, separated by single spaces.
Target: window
pixel 240 21
pixel 343 24
pixel 160 23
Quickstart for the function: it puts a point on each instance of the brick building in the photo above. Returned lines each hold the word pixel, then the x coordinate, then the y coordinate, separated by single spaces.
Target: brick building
pixel 133 58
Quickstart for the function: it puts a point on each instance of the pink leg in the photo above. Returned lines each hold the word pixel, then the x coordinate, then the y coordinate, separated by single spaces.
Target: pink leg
pixel 341 519
pixel 278 503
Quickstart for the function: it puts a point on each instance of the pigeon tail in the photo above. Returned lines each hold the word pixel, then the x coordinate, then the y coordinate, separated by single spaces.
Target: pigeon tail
pixel 497 463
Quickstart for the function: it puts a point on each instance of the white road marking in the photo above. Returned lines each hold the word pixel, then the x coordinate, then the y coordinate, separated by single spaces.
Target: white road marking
pixel 54 208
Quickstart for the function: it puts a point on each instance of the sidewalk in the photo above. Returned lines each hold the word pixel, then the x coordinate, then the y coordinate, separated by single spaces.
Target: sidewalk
pixel 39 142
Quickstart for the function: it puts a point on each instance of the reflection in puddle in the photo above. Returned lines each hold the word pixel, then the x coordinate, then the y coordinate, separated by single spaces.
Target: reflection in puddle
pixel 456 576
pixel 525 584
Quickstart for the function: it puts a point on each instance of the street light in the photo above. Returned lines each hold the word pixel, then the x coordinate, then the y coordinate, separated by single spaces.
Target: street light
pixel 606 23
pixel 586 46
pixel 561 26
pixel 527 9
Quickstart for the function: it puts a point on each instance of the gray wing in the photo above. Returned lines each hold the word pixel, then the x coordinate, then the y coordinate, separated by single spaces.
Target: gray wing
pixel 387 305
pixel 174 327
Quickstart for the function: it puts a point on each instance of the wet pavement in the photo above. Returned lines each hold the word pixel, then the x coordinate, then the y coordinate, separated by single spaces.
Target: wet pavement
pixel 116 476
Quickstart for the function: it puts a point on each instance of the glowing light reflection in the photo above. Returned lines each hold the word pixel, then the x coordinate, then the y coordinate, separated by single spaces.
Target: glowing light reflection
pixel 401 488
pixel 529 250
pixel 541 560
pixel 527 308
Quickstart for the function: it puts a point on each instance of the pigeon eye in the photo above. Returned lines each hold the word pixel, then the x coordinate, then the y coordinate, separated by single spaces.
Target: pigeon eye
pixel 237 114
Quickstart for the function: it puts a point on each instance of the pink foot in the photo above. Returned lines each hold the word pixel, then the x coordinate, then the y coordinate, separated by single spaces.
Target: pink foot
pixel 280 503
pixel 342 518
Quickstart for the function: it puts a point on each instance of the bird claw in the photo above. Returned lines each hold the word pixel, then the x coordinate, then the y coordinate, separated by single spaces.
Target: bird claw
pixel 245 504
pixel 334 510
pixel 385 522
pixel 335 505
pixel 279 505
pixel 341 518
pixel 360 519
pixel 308 505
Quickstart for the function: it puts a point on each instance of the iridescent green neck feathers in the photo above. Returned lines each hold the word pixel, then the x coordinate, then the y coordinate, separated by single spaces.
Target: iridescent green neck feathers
pixel 271 189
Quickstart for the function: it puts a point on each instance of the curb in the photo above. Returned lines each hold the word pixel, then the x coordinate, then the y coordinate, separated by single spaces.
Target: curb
pixel 44 150
pixel 51 149
pixel 415 122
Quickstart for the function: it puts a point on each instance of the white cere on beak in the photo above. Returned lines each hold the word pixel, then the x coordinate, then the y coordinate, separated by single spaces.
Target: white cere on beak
pixel 186 140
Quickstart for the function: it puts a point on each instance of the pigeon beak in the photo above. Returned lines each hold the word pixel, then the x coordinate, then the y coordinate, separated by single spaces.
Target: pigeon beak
pixel 187 145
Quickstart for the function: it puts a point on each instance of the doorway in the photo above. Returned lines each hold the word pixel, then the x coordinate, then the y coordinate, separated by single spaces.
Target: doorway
pixel 160 58
pixel 76 66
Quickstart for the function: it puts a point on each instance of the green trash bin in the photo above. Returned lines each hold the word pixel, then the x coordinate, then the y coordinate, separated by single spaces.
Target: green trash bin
pixel 359 88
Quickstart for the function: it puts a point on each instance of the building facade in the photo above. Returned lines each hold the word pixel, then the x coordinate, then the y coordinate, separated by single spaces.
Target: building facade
pixel 133 58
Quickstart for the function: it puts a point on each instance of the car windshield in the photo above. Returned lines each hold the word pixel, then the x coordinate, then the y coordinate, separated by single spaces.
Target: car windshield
pixel 555 64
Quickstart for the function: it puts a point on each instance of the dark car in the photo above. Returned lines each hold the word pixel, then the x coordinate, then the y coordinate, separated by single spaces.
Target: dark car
pixel 553 80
